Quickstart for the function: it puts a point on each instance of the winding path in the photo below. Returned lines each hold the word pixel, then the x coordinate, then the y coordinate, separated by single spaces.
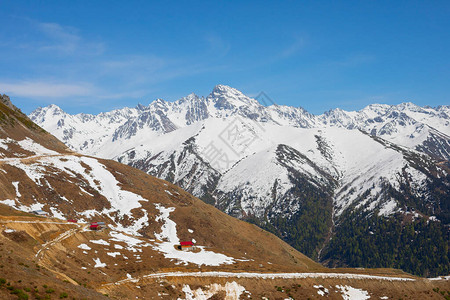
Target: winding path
pixel 59 238
pixel 262 276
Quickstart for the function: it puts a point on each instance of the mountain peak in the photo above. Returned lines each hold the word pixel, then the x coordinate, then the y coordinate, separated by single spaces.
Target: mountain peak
pixel 51 109
pixel 55 109
pixel 409 106
pixel 191 97
pixel 335 111
pixel 225 90
pixel 227 97
pixel 159 103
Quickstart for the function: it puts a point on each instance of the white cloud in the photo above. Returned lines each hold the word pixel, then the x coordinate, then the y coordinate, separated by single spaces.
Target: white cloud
pixel 39 89
pixel 63 62
pixel 66 40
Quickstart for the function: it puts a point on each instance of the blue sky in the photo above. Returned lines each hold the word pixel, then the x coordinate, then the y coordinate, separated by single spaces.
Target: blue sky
pixel 93 56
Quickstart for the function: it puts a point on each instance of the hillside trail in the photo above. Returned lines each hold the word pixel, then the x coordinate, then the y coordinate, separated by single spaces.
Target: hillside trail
pixel 48 245
pixel 219 274
pixel 36 222
pixel 33 158
pixel 41 252
pixel 59 239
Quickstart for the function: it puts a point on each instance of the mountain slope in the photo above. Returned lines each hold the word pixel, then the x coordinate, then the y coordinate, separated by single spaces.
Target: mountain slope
pixel 135 255
pixel 300 176
pixel 68 185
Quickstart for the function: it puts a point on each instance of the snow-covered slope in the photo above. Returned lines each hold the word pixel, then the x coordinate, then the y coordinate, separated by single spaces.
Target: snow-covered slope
pixel 278 166
pixel 217 144
pixel 422 128
pixel 150 215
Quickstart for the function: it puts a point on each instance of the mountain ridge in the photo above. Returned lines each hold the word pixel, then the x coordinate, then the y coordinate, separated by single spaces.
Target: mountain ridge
pixel 223 101
pixel 281 167
pixel 135 255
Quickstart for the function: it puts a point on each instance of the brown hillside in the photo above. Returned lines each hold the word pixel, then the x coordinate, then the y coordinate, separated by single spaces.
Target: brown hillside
pixel 17 126
pixel 145 218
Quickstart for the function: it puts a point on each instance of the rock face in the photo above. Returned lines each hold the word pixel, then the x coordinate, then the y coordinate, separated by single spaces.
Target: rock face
pixel 367 181
pixel 5 100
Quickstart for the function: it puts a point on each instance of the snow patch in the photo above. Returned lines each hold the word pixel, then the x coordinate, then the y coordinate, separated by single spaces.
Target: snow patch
pixel 56 213
pixel 30 145
pixel 133 244
pixel 388 208
pixel 98 263
pixel 84 247
pixel 440 278
pixel 233 290
pixel 322 291
pixel 16 186
pixel 169 239
pixel 100 242
pixel 351 293
pixel 9 202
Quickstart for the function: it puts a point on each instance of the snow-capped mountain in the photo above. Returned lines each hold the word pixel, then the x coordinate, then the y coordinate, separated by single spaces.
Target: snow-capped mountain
pixel 145 223
pixel 304 177
pixel 406 124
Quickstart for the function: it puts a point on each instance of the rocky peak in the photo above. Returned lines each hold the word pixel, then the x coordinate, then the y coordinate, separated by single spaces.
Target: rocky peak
pixel 55 108
pixel 5 100
pixel 221 89
pixel 191 99
pixel 191 96
pixel 141 107
pixel 409 106
pixel 159 104
pixel 42 114
pixel 225 97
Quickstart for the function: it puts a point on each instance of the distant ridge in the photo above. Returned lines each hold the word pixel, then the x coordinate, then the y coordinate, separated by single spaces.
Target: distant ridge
pixel 329 184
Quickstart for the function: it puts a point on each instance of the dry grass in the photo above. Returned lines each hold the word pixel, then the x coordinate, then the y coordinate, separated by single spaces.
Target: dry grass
pixel 63 267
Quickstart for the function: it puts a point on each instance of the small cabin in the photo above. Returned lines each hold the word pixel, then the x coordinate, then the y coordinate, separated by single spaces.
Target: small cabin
pixel 97 225
pixel 40 213
pixel 188 245
pixel 72 220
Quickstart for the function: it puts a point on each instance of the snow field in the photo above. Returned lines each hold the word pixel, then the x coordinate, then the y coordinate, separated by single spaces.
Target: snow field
pixel 168 239
pixel 99 178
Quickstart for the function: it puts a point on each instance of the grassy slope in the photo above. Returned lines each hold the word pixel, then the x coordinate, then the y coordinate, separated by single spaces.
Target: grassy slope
pixel 212 228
